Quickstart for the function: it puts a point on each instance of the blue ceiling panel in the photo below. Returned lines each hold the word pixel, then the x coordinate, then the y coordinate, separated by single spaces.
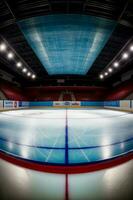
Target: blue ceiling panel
pixel 67 44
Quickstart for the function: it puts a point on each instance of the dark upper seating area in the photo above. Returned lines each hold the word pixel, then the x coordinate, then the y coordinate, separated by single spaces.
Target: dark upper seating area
pixel 66 93
pixel 120 92
pixel 12 92
pixel 81 93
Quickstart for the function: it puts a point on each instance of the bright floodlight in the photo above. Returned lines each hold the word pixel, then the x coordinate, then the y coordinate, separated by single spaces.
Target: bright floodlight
pixel 24 70
pixel 106 73
pixel 131 48
pixel 116 64
pixel 125 56
pixel 2 47
pixel 33 76
pixel 19 64
pixel 101 76
pixel 110 70
pixel 28 74
pixel 10 55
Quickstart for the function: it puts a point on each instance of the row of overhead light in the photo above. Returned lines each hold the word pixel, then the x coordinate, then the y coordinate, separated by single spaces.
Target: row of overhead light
pixel 116 64
pixel 19 64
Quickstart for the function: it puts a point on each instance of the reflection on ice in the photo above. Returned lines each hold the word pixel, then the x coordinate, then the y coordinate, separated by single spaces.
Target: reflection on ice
pixel 47 136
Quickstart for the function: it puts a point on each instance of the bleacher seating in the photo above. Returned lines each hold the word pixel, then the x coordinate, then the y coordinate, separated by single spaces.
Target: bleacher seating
pixel 79 93
pixel 66 93
pixel 12 92
pixel 120 92
pixel 67 97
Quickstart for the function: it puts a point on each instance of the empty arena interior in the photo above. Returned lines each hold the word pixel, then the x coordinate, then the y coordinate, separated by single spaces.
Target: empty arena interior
pixel 66 99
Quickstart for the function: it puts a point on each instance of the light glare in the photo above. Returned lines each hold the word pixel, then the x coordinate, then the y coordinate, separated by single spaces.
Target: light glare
pixel 28 74
pixel 116 64
pixel 19 64
pixel 125 56
pixel 101 76
pixel 110 70
pixel 33 76
pixel 131 48
pixel 2 47
pixel 24 70
pixel 10 55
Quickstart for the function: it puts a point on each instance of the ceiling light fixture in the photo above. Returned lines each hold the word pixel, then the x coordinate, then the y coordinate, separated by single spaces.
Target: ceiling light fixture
pixel 19 64
pixel 10 55
pixel 24 70
pixel 28 74
pixel 125 56
pixel 131 48
pixel 3 47
pixel 110 70
pixel 116 64
pixel 101 76
pixel 33 76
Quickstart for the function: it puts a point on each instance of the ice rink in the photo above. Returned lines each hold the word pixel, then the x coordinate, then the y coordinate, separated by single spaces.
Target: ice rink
pixel 66 136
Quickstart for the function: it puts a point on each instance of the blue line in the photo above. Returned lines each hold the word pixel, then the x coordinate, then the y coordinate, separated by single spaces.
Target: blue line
pixel 66 140
pixel 66 144
pixel 32 146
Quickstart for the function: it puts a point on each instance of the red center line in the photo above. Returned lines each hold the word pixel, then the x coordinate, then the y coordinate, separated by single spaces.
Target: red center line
pixel 66 188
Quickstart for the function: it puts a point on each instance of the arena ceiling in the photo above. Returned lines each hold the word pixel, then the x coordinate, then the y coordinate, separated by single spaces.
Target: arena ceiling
pixel 70 40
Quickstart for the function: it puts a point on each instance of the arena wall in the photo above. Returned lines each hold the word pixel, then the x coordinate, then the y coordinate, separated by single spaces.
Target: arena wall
pixel 122 105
